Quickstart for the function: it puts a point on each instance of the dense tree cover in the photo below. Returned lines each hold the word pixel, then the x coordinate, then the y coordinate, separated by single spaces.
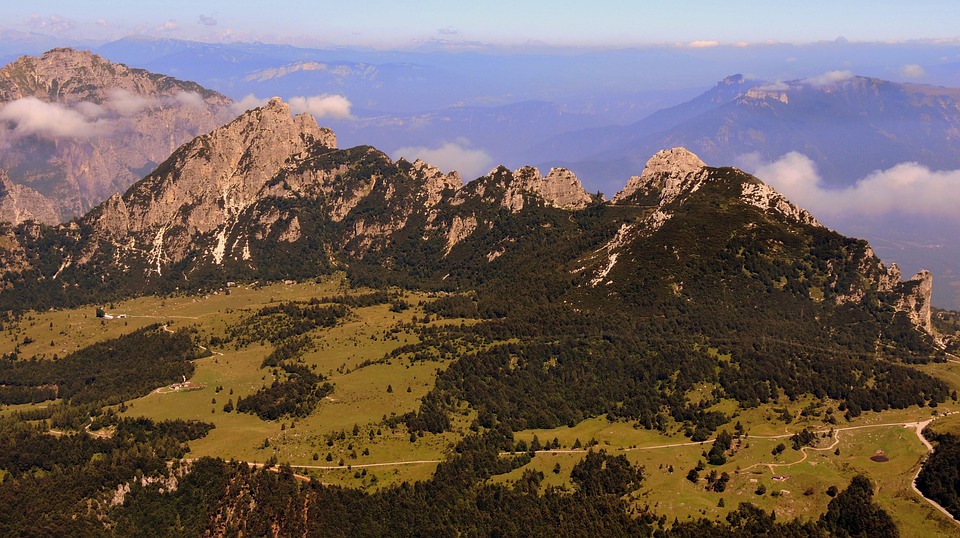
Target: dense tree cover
pixel 102 372
pixel 940 477
pixel 279 322
pixel 297 395
pixel 61 485
pixel 453 306
pixel 853 513
pixel 602 474
pixel 455 502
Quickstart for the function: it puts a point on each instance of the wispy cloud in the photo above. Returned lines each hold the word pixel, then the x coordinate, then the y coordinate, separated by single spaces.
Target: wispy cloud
pixel 470 162
pixel 905 189
pixel 322 106
pixel 448 30
pixel 85 119
pixel 52 24
pixel 207 20
pixel 31 116
pixel 126 103
pixel 828 78
pixel 703 44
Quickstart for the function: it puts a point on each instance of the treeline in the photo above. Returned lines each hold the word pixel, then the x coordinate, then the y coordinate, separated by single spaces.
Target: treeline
pixel 234 499
pixel 103 372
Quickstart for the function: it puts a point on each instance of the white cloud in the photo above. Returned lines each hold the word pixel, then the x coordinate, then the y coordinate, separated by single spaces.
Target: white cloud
pixel 248 103
pixel 775 87
pixel 904 189
pixel 828 78
pixel 31 116
pixel 168 26
pixel 912 71
pixel 127 104
pixel 189 99
pixel 471 163
pixel 703 44
pixel 322 106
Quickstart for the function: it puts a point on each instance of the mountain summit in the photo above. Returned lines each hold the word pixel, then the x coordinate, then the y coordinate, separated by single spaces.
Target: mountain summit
pixel 76 128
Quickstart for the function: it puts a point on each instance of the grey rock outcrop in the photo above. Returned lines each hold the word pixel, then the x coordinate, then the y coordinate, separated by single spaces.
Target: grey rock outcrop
pixel 19 203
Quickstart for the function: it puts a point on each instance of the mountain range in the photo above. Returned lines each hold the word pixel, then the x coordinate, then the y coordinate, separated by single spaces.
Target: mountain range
pixel 849 126
pixel 269 196
pixel 696 296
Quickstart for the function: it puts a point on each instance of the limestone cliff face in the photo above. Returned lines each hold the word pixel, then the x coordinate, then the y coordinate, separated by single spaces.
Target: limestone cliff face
pixel 19 203
pixel 915 300
pixel 108 125
pixel 198 194
pixel 560 188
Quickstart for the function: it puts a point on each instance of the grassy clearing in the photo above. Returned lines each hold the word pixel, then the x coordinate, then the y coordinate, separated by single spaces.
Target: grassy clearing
pixel 360 397
pixel 795 483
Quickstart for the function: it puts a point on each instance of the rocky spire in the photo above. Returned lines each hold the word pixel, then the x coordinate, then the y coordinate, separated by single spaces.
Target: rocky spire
pixel 664 173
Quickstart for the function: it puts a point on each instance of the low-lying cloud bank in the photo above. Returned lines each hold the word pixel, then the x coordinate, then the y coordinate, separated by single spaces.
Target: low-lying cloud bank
pixel 470 162
pixel 907 189
pixel 31 116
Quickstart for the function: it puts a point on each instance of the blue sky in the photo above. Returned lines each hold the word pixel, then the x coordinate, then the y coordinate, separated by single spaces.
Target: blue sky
pixel 398 23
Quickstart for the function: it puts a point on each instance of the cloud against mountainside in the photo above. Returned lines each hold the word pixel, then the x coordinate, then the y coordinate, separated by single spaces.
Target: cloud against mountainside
pixel 321 106
pixel 905 189
pixel 828 78
pixel 31 116
pixel 127 104
pixel 471 163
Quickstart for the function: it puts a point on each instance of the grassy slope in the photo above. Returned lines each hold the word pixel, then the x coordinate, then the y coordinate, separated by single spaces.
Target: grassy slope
pixel 361 398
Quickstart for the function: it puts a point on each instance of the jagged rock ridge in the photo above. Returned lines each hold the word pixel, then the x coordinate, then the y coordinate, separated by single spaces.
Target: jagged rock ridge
pixel 270 195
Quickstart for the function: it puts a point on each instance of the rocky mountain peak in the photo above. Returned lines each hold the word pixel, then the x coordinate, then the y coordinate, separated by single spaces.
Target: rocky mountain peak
pixel 560 188
pixel 915 301
pixel 434 180
pixel 206 184
pixel 665 173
